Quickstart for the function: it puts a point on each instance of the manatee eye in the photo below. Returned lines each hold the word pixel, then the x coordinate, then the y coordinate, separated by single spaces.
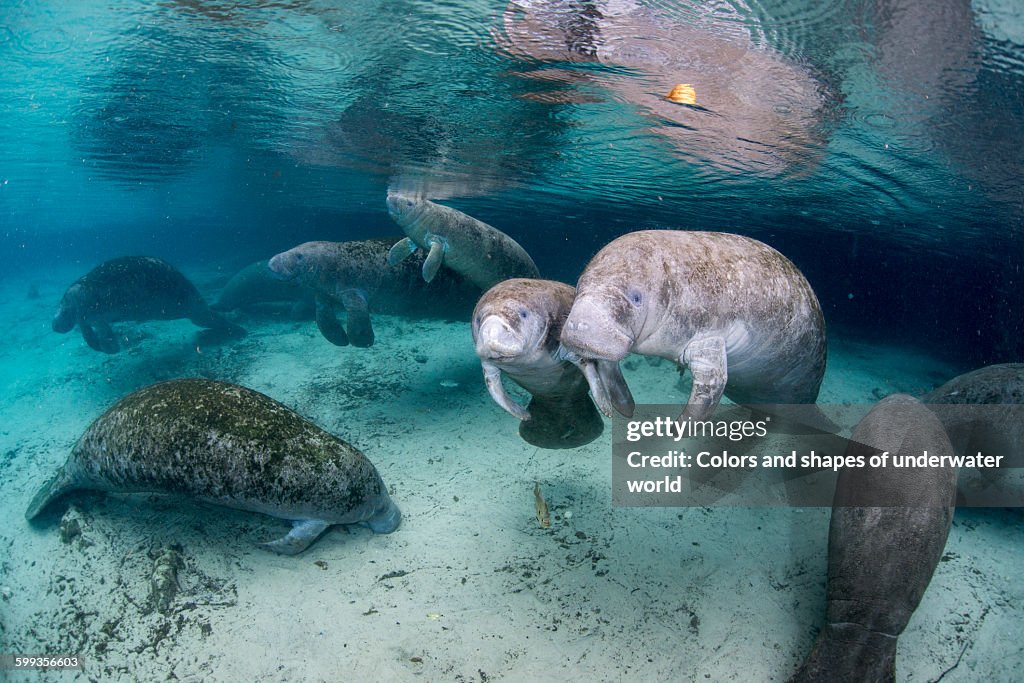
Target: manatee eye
pixel 523 313
pixel 300 256
pixel 634 296
pixel 476 320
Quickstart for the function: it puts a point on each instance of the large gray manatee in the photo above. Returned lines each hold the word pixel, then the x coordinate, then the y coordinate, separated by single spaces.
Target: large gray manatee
pixel 516 325
pixel 881 559
pixel 738 313
pixel 226 444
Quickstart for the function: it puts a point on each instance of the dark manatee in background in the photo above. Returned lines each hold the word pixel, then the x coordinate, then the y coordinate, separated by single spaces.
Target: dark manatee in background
pixel 226 444
pixel 132 288
pixel 516 325
pixel 480 252
pixel 881 559
pixel 983 411
pixel 357 277
pixel 257 284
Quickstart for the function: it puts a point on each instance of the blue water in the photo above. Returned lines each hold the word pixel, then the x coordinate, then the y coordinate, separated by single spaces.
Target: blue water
pixel 185 128
pixel 879 144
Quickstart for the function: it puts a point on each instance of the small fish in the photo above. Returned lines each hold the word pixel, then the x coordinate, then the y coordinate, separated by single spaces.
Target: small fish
pixel 543 516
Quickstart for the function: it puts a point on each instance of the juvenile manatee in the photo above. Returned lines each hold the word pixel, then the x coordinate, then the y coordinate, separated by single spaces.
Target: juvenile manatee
pixel 738 313
pixel 226 444
pixel 257 284
pixel 516 325
pixel 132 288
pixel 881 559
pixel 357 277
pixel 481 253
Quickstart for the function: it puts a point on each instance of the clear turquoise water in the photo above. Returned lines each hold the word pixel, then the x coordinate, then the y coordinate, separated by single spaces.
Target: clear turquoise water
pixel 880 144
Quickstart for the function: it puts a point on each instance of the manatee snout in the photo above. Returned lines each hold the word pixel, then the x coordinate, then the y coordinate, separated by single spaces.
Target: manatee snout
pixel 399 203
pixel 590 332
pixel 496 340
pixel 285 266
pixel 64 320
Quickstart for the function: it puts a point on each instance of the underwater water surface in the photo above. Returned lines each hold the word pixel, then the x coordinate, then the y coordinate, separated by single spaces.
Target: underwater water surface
pixel 879 144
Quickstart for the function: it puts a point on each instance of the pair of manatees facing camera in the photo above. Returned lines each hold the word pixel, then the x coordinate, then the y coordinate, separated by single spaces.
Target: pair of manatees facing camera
pixel 733 310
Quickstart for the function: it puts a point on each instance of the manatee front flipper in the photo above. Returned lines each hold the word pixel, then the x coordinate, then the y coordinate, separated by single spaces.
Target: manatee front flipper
pixel 304 532
pixel 705 356
pixel 432 264
pixel 401 250
pixel 360 330
pixel 567 422
pixel 101 338
pixel 492 378
pixel 615 384
pixel 327 322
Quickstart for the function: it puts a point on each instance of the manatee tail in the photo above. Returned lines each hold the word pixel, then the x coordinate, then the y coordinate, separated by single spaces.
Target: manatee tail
pixel 567 422
pixel 56 487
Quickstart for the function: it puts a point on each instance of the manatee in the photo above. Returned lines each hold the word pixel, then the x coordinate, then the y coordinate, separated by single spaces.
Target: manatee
pixel 735 311
pixel 132 288
pixel 881 559
pixel 357 277
pixel 228 445
pixel 516 325
pixel 982 411
pixel 481 253
pixel 257 284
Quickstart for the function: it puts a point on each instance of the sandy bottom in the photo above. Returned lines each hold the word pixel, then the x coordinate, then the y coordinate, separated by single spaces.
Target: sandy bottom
pixel 470 588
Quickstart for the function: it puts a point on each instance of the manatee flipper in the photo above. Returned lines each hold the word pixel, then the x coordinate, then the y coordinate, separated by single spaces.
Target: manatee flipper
pixel 401 250
pixel 705 356
pixel 303 533
pixel 56 487
pixel 615 385
pixel 597 388
pixel 492 378
pixel 101 338
pixel 328 324
pixel 568 422
pixel 358 326
pixel 435 257
pixel 386 520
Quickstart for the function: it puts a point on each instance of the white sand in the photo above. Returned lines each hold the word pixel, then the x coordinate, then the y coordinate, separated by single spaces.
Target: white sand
pixel 469 588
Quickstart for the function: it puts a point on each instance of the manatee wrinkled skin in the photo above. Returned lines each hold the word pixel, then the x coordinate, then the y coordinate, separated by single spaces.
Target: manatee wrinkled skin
pixel 357 277
pixel 516 325
pixel 226 444
pixel 132 288
pixel 881 559
pixel 735 311
pixel 257 284
pixel 481 253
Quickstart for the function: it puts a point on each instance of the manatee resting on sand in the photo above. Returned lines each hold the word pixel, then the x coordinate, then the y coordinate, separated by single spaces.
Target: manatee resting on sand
pixel 132 288
pixel 735 311
pixel 881 559
pixel 257 284
pixel 225 444
pixel 481 253
pixel 357 277
pixel 515 330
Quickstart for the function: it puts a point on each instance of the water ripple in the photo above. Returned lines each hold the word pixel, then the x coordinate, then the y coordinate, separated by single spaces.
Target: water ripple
pixel 46 41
